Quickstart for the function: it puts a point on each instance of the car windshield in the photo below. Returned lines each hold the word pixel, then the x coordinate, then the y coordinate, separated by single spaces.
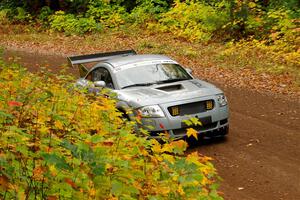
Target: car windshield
pixel 151 74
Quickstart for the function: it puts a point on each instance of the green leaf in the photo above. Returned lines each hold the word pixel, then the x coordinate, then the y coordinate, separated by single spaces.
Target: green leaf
pixel 117 188
pixel 22 149
pixel 48 94
pixel 54 159
pixel 187 122
pixel 5 115
pixel 96 138
pixel 98 170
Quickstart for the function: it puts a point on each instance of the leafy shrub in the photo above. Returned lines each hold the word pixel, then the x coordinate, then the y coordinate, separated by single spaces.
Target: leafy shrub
pixel 17 15
pixel 109 15
pixel 147 11
pixel 70 24
pixel 4 16
pixel 193 20
pixel 22 16
pixel 282 26
pixel 44 15
pixel 58 143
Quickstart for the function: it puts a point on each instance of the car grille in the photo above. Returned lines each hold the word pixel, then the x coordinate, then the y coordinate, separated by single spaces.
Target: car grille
pixel 206 125
pixel 197 128
pixel 191 108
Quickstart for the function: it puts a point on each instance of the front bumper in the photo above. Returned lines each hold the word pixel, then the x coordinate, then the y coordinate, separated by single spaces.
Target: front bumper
pixel 216 125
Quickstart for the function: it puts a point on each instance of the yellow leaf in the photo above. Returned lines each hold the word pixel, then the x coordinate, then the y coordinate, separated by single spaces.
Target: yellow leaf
pixel 159 158
pixel 168 148
pixel 108 166
pixel 192 132
pixel 92 192
pixel 179 144
pixel 156 147
pixel 251 5
pixel 44 129
pixel 180 190
pixel 163 190
pixel 53 170
pixel 144 152
pixel 194 158
pixel 169 158
pixel 175 178
pixel 58 124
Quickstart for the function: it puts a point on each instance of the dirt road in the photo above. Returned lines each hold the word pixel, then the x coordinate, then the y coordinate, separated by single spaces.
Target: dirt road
pixel 260 158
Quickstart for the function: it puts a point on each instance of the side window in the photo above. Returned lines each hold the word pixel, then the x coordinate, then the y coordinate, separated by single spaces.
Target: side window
pixel 101 74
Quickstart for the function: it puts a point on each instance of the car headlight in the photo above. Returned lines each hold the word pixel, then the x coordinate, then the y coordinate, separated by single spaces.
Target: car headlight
pixel 222 100
pixel 151 111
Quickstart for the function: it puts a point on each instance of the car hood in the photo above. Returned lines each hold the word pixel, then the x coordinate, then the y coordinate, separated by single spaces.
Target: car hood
pixel 166 93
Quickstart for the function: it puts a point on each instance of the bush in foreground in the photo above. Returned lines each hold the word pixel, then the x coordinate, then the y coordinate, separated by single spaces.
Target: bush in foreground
pixel 57 143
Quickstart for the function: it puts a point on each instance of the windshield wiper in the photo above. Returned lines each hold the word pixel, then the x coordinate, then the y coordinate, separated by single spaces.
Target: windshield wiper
pixel 157 82
pixel 172 80
pixel 138 84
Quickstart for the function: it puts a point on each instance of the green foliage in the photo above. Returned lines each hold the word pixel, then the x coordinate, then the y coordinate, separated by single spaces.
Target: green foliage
pixel 270 26
pixel 70 24
pixel 17 15
pixel 22 15
pixel 282 26
pixel 60 143
pixel 107 14
pixel 193 20
pixel 4 16
pixel 44 15
pixel 148 10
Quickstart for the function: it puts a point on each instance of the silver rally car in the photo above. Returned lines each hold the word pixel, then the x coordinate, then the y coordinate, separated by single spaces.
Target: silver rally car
pixel 158 90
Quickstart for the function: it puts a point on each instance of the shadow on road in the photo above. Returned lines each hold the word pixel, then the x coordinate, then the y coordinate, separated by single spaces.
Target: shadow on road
pixel 194 144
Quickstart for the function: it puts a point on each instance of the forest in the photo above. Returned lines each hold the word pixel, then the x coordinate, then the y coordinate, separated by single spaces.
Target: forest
pixel 196 20
pixel 271 26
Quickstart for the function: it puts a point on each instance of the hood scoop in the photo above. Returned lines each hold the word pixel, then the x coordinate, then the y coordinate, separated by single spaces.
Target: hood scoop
pixel 170 88
pixel 199 85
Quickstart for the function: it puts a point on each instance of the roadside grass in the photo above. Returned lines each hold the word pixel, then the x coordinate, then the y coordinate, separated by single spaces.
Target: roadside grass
pixel 232 56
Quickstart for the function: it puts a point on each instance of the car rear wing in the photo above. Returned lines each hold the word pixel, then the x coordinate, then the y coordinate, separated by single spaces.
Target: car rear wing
pixel 83 59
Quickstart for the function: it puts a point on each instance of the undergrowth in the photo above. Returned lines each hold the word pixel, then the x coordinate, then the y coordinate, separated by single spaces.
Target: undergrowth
pixel 60 143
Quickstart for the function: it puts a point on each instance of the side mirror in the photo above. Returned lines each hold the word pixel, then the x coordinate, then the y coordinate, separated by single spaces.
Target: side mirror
pixel 189 70
pixel 99 83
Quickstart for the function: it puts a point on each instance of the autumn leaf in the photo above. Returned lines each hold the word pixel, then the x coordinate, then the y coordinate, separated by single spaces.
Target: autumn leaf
pixel 52 198
pixel 14 104
pixel 196 121
pixel 180 190
pixel 4 182
pixel 38 173
pixel 143 151
pixel 192 132
pixel 179 146
pixel 156 147
pixel 71 183
pixel 169 158
pixel 108 143
pixel 53 170
pixel 58 124
pixel 92 192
